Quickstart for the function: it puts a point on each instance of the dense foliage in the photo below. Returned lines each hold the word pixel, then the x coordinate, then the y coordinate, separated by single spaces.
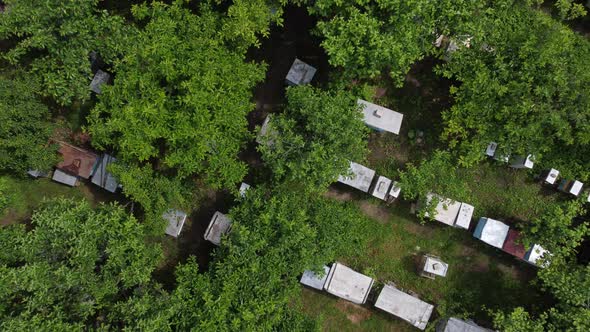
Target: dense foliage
pixel 558 228
pixel 368 38
pixel 53 39
pixel 252 281
pixel 25 126
pixel 568 282
pixel 248 21
pixel 313 140
pixel 177 107
pixel 570 9
pixel 72 268
pixel 524 84
pixel 154 192
pixel 180 97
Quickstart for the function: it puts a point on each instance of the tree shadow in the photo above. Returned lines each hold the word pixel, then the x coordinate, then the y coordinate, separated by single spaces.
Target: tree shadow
pixel 477 292
pixel 191 241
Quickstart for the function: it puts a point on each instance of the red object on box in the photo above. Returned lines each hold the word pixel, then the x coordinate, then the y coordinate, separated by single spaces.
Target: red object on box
pixel 76 161
pixel 513 248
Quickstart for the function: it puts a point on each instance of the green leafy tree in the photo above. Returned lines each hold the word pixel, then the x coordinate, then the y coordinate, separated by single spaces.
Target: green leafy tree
pixel 569 283
pixel 246 21
pixel 54 39
pixel 438 174
pixel 180 98
pixel 368 38
pixel 146 309
pixel 569 9
pixel 252 282
pixel 523 84
pixel 154 192
pixel 519 320
pixel 72 268
pixel 25 126
pixel 313 140
pixel 556 229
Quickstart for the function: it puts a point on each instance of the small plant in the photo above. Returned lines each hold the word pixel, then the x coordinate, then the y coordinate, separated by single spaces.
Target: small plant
pixel 4 195
pixel 370 271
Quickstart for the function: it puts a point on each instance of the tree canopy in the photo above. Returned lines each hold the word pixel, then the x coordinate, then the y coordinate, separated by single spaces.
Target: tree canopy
pixel 558 228
pixel 523 85
pixel 252 281
pixel 179 97
pixel 369 38
pixel 53 39
pixel 25 126
pixel 72 268
pixel 175 117
pixel 248 21
pixel 313 140
pixel 154 192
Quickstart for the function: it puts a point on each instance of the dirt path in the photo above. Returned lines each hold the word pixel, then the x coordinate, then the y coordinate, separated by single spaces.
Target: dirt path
pixel 292 40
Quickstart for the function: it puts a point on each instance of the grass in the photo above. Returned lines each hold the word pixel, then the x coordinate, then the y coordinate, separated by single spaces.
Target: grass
pixel 479 276
pixel 27 194
pixel 504 193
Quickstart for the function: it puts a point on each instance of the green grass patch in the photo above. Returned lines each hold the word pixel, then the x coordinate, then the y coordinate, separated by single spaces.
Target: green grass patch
pixel 479 276
pixel 501 192
pixel 25 195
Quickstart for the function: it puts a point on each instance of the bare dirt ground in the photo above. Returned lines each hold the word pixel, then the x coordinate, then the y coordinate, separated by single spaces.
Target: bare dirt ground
pixel 355 313
pixel 375 211
pixel 9 218
pixel 338 195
